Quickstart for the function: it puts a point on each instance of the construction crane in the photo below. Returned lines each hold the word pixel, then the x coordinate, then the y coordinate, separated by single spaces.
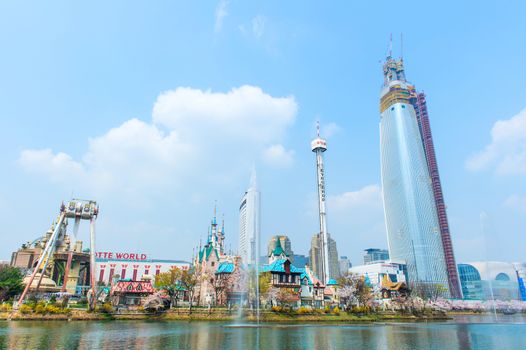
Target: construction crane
pixel 76 209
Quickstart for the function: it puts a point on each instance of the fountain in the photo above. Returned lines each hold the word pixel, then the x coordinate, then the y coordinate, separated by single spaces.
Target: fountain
pixel 485 225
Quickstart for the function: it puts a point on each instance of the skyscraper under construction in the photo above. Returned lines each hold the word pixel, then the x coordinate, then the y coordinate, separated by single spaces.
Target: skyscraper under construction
pixel 414 208
pixel 418 99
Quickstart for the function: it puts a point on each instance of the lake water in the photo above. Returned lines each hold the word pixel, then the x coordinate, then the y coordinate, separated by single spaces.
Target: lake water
pixel 461 333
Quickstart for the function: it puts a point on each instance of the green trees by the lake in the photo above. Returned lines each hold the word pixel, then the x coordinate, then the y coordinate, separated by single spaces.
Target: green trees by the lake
pixel 10 282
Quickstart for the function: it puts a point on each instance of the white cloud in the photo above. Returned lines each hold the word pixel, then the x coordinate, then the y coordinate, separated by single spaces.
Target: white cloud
pixel 245 112
pixel 58 167
pixel 278 156
pixel 516 202
pixel 330 129
pixel 507 151
pixel 220 14
pixel 356 220
pixel 130 157
pixel 258 26
pixel 195 135
pixel 368 197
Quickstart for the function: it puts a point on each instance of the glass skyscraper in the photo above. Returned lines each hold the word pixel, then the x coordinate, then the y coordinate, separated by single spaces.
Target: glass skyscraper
pixel 410 211
pixel 250 222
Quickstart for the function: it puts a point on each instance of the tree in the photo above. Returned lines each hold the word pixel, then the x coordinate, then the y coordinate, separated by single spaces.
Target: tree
pixel 170 282
pixel 11 282
pixel 265 286
pixel 427 292
pixel 189 280
pixel 287 296
pixel 354 290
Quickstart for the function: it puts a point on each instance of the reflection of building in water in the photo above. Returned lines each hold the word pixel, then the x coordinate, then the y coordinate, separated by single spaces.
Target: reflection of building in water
pixel 489 280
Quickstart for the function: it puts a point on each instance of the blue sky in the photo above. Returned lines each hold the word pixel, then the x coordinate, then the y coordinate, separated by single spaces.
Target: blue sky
pixel 157 109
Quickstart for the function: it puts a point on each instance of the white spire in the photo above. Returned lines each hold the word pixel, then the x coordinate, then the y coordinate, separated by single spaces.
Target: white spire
pixel 253 179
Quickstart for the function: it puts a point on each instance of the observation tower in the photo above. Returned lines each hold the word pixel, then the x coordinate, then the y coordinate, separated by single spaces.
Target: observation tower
pixel 318 146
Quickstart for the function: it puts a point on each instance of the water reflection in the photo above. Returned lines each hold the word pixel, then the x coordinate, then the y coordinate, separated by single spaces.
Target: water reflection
pixel 463 333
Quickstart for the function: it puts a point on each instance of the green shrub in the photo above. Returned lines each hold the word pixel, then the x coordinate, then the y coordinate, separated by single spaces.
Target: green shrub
pixel 277 308
pixel 52 309
pixel 106 308
pixel 40 309
pixel 336 310
pixel 360 310
pixel 327 310
pixel 25 309
pixel 4 307
pixel 304 310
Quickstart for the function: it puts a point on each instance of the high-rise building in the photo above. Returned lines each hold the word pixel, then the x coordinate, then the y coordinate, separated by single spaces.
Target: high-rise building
pixel 316 257
pixel 410 211
pixel 327 269
pixel 300 260
pixel 344 265
pixel 285 244
pixel 250 222
pixel 375 255
pixel 419 103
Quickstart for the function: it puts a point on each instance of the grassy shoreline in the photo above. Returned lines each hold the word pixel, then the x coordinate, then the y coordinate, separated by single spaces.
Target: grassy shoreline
pixel 222 315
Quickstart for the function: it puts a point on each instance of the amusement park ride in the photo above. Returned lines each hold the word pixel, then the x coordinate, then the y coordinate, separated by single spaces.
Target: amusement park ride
pixel 76 209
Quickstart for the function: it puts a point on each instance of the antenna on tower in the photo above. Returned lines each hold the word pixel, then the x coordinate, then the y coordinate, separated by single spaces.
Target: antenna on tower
pixel 401 46
pixel 391 45
pixel 318 128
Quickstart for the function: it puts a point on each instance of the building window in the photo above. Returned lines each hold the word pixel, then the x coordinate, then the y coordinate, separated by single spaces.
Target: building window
pixel 213 263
